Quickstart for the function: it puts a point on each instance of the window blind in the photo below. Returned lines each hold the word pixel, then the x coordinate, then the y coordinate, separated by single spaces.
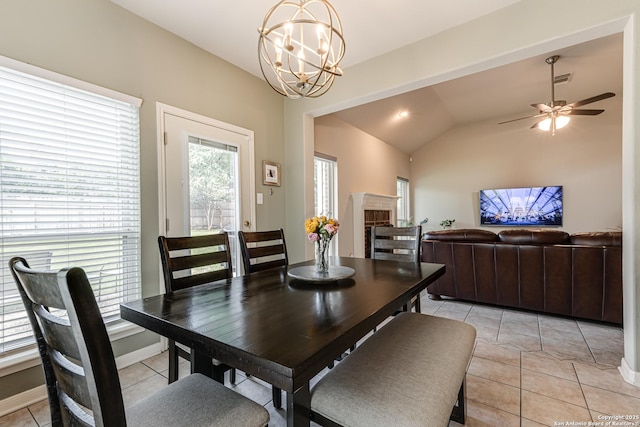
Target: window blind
pixel 69 191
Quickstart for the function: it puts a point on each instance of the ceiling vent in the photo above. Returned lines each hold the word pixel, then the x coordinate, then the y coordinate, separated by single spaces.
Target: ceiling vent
pixel 562 78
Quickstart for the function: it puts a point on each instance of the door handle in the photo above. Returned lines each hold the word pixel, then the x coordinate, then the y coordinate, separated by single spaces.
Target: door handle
pixel 246 223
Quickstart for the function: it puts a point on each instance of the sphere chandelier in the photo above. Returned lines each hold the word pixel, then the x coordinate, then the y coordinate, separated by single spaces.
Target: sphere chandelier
pixel 300 47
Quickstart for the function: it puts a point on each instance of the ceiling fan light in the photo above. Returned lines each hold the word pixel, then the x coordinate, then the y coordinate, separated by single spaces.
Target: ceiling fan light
pixel 562 121
pixel 545 124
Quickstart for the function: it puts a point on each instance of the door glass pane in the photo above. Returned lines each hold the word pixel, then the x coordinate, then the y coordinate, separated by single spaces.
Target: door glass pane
pixel 213 190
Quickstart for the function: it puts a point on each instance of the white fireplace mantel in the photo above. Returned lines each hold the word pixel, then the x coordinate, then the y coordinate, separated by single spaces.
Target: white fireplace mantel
pixel 369 201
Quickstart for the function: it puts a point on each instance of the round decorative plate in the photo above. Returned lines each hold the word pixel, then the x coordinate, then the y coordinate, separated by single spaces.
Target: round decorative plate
pixel 309 273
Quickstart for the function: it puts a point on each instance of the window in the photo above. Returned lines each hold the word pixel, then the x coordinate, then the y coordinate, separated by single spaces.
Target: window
pixel 402 191
pixel 325 170
pixel 69 188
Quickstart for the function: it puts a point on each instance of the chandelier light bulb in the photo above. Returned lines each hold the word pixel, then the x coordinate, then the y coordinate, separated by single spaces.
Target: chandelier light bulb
pixel 300 47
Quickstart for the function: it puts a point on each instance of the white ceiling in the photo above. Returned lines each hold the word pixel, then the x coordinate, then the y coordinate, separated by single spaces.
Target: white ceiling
pixel 229 31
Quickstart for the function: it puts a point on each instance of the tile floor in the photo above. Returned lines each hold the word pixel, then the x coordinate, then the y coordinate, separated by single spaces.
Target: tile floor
pixel 527 370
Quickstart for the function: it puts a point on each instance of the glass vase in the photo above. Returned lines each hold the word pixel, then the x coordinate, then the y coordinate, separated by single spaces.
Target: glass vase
pixel 322 256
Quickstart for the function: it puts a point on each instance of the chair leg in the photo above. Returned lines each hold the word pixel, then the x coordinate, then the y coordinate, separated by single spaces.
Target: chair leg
pixel 232 375
pixel 276 395
pixel 418 304
pixel 458 414
pixel 173 362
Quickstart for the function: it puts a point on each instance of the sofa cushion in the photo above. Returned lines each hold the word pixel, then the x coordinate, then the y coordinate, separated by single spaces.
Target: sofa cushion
pixel 601 238
pixel 461 235
pixel 539 237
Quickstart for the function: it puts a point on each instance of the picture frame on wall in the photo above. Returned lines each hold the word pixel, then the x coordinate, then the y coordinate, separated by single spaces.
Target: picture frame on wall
pixel 270 173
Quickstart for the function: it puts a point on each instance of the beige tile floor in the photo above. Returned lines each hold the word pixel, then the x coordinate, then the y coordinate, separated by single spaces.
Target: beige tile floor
pixel 527 370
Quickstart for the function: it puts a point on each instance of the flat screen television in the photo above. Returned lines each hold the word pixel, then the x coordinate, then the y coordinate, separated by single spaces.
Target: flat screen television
pixel 528 206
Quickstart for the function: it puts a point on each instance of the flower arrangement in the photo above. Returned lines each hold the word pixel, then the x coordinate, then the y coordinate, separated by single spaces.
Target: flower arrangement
pixel 320 230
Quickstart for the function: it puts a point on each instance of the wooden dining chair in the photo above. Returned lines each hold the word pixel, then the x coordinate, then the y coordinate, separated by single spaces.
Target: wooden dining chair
pixel 191 261
pixel 398 244
pixel 80 369
pixel 262 250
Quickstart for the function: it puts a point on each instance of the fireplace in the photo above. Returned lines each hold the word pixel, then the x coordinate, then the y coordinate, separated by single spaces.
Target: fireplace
pixel 370 209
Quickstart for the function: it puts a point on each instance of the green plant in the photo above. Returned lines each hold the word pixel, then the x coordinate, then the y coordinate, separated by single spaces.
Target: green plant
pixel 447 223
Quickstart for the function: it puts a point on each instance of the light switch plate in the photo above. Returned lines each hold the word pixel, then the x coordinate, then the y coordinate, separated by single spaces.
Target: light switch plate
pixel 260 199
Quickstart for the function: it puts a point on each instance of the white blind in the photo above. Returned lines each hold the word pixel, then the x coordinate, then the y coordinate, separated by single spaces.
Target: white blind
pixel 69 191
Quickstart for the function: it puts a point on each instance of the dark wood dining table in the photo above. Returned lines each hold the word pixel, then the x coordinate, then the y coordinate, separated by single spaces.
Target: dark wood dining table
pixel 280 329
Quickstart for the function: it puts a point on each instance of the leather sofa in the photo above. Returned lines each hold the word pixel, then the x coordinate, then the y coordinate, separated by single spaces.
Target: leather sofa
pixel 549 271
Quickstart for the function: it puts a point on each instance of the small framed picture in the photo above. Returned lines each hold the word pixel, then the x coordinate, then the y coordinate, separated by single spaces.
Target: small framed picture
pixel 270 173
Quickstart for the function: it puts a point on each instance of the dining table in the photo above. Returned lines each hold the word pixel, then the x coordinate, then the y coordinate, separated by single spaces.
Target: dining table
pixel 280 326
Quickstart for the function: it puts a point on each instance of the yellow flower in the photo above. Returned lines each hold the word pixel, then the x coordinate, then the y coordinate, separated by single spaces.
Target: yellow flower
pixel 311 225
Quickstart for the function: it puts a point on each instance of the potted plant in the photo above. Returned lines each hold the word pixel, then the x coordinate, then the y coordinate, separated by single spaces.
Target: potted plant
pixel 447 223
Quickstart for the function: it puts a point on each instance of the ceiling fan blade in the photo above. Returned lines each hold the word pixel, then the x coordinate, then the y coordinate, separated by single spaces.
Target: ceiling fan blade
pixel 592 99
pixel 542 107
pixel 522 118
pixel 584 112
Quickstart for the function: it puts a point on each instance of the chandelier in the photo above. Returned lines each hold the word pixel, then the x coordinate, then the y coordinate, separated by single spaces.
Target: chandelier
pixel 300 47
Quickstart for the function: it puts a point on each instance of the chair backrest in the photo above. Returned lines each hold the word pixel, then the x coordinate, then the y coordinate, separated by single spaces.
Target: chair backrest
pixel 77 357
pixel 194 260
pixel 396 243
pixel 262 250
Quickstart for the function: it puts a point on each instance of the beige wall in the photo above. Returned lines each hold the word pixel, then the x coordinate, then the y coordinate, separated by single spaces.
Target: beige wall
pixel 365 164
pixel 101 43
pixel 585 158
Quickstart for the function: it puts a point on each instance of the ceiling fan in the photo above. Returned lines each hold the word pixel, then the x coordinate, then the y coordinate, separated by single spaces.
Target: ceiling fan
pixel 555 114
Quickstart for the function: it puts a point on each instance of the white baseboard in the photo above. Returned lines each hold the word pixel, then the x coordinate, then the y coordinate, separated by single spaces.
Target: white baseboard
pixel 29 397
pixel 629 375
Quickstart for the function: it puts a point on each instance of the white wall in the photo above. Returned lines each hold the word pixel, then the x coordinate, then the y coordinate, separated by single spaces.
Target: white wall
pixel 365 164
pixel 585 158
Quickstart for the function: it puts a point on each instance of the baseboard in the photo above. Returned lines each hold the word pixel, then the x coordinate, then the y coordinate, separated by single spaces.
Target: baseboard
pixel 129 359
pixel 629 375
pixel 22 400
pixel 29 397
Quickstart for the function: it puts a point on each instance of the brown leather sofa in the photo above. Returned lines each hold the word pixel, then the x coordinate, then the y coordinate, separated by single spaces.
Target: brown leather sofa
pixel 549 271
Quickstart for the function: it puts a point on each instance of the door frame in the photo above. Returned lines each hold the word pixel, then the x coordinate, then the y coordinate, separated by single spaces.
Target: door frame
pixel 161 110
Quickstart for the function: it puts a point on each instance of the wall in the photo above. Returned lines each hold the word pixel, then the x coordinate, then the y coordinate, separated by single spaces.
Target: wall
pixel 585 158
pixel 101 43
pixel 365 164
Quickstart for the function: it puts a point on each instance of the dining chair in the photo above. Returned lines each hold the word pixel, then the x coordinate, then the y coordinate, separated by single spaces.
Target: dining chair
pixel 397 244
pixel 191 261
pixel 262 250
pixel 80 369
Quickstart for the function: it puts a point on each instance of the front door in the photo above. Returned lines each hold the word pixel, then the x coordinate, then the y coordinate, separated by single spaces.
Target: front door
pixel 208 178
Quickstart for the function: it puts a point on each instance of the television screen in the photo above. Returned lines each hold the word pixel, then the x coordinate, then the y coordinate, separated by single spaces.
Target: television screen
pixel 521 206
